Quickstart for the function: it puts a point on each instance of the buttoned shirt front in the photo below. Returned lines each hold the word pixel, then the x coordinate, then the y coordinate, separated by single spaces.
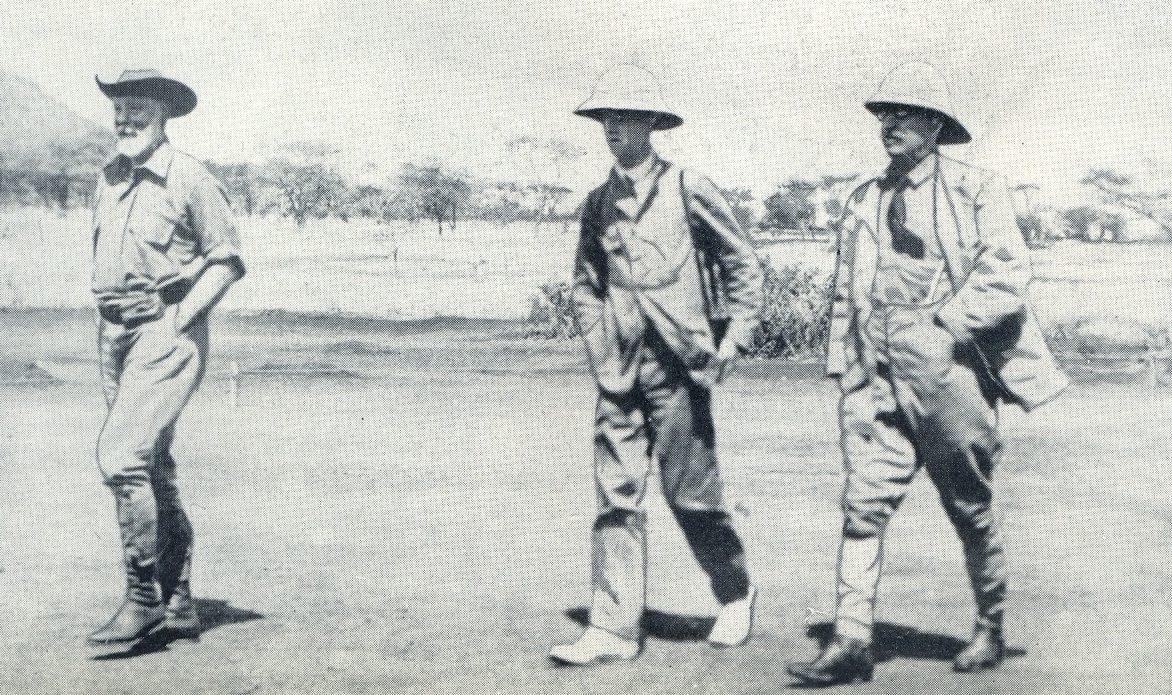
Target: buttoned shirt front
pixel 156 222
pixel 900 278
pixel 621 240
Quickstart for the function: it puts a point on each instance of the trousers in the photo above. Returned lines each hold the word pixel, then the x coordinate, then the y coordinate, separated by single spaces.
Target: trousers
pixel 665 419
pixel 926 403
pixel 149 372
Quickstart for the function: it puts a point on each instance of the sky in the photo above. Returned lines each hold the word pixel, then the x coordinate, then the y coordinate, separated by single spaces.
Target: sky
pixel 768 90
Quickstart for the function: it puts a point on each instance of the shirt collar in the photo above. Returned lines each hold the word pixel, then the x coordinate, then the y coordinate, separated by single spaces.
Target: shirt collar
pixel 159 163
pixel 922 171
pixel 640 171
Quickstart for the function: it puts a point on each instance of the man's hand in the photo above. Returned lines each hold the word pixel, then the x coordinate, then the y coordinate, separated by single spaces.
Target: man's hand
pixel 205 293
pixel 182 319
pixel 728 352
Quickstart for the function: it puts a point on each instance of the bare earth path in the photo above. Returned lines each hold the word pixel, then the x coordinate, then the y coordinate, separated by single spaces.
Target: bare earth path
pixel 407 510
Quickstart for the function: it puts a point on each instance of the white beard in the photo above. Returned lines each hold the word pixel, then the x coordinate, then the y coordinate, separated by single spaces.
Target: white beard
pixel 134 147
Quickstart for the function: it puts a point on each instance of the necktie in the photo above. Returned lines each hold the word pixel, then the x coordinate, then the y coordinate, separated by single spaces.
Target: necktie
pixel 903 240
pixel 625 188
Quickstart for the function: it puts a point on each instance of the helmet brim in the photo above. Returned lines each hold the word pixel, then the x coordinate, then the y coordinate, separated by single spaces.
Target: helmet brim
pixel 664 120
pixel 953 132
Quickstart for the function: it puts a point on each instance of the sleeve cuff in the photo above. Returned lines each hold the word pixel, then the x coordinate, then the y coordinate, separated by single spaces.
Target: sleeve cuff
pixel 229 257
pixel 741 333
pixel 950 323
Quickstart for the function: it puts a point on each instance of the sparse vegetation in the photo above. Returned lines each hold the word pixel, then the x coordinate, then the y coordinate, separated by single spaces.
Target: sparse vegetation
pixel 552 314
pixel 795 317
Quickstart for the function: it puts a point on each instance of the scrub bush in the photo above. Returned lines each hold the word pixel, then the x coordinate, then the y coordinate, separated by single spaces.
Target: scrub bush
pixel 552 313
pixel 795 315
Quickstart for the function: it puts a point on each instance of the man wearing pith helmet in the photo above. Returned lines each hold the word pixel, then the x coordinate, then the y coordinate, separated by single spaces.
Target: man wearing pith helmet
pixel 667 292
pixel 930 329
pixel 165 251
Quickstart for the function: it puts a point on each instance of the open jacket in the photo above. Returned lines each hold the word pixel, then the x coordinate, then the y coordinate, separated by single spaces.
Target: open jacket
pixel 693 272
pixel 988 265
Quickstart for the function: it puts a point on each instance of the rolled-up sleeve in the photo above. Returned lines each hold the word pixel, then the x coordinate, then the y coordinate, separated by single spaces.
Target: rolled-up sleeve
pixel 214 223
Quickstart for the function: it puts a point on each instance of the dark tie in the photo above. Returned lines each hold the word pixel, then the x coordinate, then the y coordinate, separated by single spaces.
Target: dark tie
pixel 903 240
pixel 624 187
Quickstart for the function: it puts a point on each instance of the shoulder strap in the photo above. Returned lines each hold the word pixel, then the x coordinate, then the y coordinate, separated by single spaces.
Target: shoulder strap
pixel 688 213
pixel 710 280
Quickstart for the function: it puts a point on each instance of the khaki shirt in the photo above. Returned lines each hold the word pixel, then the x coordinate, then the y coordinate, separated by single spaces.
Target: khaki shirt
pixel 157 222
pixel 899 278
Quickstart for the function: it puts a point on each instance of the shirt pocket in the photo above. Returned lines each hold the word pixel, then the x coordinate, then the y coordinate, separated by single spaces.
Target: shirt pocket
pixel 166 233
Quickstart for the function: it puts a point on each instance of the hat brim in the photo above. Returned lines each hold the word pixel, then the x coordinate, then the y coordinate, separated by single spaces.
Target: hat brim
pixel 953 132
pixel 179 97
pixel 663 121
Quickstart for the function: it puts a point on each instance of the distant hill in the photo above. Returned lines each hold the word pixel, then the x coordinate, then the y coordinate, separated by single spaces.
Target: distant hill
pixel 47 151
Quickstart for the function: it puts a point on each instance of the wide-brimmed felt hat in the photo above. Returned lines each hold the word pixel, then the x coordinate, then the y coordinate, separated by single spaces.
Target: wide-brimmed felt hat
pixel 629 88
pixel 922 86
pixel 151 83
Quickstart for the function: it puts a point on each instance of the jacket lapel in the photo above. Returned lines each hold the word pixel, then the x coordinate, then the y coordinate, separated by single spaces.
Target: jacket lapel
pixel 866 251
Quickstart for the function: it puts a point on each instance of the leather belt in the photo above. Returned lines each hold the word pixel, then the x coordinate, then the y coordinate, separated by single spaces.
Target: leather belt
pixel 116 313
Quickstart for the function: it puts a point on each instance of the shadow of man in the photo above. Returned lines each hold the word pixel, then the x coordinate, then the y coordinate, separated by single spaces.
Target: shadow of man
pixel 213 613
pixel 900 641
pixel 664 626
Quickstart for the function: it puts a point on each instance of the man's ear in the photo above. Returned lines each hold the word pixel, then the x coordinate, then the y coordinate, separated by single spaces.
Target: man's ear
pixel 938 123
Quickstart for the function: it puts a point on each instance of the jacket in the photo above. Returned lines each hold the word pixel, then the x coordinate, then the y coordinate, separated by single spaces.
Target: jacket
pixel 701 270
pixel 988 265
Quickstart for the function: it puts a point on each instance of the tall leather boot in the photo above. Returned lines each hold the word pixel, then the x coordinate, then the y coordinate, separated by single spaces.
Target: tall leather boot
pixel 845 660
pixel 175 547
pixel 986 650
pixel 182 621
pixel 141 612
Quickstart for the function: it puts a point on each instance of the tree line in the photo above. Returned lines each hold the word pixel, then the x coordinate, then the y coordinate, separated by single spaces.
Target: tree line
pixel 302 182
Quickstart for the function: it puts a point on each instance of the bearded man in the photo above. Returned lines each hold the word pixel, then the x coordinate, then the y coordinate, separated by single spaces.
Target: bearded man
pixel 165 251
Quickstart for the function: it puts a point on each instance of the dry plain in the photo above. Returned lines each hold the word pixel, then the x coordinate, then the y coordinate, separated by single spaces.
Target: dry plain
pixel 402 505
pixel 405 507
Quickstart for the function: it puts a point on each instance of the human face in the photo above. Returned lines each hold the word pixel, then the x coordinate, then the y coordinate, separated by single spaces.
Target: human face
pixel 908 132
pixel 628 134
pixel 139 123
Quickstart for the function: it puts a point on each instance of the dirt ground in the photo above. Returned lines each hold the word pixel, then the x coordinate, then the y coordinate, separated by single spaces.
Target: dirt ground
pixel 406 508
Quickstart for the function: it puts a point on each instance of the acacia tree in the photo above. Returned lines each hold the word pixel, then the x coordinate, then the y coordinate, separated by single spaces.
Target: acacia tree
pixel 308 190
pixel 545 161
pixel 306 183
pixel 1116 188
pixel 790 208
pixel 436 193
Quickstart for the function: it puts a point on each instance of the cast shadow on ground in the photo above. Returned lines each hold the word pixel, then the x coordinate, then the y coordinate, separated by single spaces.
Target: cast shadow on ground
pixel 665 626
pixel 903 642
pixel 213 613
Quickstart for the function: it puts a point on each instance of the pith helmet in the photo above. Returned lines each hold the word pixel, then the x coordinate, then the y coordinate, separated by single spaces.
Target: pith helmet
pixel 628 88
pixel 151 83
pixel 921 85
